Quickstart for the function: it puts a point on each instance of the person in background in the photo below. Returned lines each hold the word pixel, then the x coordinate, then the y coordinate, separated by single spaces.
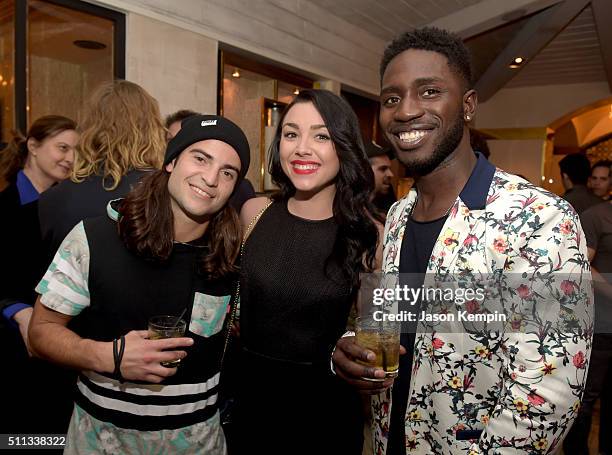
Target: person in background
pixel 30 166
pixel 575 170
pixel 173 121
pixel 122 139
pixel 380 161
pixel 243 192
pixel 303 255
pixel 597 224
pixel 479 143
pixel 168 248
pixel 600 181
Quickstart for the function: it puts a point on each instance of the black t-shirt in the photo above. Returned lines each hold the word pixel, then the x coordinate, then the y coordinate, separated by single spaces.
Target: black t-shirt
pixel 417 245
pixel 125 290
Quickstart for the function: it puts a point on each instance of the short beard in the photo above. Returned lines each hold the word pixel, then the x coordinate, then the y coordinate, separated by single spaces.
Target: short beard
pixel 447 145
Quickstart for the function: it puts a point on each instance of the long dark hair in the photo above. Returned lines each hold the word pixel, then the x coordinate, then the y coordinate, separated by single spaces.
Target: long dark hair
pixel 14 156
pixel 146 226
pixel 354 213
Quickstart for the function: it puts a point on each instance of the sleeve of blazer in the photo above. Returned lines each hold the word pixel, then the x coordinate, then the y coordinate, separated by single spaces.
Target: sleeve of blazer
pixel 547 346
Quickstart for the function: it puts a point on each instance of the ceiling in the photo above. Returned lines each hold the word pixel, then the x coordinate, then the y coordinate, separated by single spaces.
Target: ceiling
pixel 573 56
pixel 563 41
pixel 388 18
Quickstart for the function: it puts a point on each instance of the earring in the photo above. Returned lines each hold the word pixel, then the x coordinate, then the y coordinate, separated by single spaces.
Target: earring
pixel 468 118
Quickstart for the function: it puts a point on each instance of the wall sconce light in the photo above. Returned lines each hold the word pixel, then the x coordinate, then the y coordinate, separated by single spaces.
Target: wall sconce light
pixel 4 84
pixel 1 78
pixel 550 180
pixel 296 91
pixel 543 178
pixel 517 62
pixel 236 73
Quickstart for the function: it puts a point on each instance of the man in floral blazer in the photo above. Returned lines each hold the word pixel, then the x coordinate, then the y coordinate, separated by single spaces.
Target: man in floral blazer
pixel 515 389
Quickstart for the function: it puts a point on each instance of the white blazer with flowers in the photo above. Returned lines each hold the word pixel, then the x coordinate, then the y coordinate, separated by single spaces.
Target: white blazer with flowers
pixel 521 388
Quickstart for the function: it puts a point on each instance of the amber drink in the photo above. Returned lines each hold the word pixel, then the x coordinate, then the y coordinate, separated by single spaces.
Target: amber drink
pixel 167 327
pixel 384 341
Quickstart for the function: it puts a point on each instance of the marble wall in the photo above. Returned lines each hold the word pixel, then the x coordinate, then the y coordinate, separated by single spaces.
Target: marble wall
pixel 176 66
pixel 295 33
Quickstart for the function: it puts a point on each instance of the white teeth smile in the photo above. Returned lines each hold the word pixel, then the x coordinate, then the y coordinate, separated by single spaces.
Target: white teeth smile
pixel 305 167
pixel 411 136
pixel 200 192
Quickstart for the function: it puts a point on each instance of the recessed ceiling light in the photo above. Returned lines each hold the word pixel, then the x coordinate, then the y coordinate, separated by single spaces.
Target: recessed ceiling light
pixel 89 44
pixel 517 62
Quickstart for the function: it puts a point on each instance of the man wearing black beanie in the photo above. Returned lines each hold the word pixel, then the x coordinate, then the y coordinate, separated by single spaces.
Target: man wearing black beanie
pixel 168 248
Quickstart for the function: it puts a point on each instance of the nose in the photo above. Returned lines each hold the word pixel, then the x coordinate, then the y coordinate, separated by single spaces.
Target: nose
pixel 302 148
pixel 408 109
pixel 70 156
pixel 210 176
pixel 389 173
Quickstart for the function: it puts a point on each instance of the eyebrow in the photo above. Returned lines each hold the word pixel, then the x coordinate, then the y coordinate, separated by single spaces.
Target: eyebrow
pixel 313 127
pixel 418 82
pixel 210 157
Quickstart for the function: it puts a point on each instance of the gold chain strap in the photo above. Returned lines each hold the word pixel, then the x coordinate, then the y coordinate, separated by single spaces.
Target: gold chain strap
pixel 237 299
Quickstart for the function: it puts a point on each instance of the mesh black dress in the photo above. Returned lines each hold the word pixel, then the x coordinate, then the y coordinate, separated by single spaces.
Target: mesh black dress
pixel 294 306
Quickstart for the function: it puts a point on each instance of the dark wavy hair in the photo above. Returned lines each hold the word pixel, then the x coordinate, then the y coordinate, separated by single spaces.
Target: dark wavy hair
pixel 146 226
pixel 354 213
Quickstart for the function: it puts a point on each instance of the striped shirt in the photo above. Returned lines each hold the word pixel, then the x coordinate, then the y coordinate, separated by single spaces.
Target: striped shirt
pixel 80 282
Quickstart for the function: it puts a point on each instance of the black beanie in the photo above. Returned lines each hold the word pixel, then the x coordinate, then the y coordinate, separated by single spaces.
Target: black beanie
pixel 201 127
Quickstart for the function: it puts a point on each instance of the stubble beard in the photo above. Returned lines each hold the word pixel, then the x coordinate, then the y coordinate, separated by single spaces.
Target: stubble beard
pixel 446 146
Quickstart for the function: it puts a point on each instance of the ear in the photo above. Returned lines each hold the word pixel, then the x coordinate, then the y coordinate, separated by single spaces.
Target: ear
pixel 170 165
pixel 32 145
pixel 470 101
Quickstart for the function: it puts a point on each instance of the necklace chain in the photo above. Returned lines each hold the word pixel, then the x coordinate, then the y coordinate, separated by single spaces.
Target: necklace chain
pixel 417 200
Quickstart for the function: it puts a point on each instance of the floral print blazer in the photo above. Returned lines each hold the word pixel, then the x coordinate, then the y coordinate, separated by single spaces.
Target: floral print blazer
pixel 510 392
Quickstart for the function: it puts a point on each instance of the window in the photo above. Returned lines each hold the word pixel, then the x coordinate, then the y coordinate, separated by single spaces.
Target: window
pixel 53 54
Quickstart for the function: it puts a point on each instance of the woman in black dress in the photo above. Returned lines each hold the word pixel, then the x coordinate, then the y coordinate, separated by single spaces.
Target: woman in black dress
pixel 299 276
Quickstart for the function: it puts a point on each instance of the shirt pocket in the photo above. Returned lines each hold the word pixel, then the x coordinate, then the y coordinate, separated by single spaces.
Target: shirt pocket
pixel 208 314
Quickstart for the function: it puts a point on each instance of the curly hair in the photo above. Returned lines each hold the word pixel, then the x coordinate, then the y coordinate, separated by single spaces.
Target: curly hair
pixel 146 226
pixel 121 130
pixel 435 40
pixel 13 158
pixel 354 213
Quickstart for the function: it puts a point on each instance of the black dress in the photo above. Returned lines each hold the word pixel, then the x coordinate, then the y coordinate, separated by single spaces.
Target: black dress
pixel 295 303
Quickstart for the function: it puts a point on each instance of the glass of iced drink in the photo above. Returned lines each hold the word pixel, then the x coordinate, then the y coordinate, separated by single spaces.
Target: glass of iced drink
pixel 167 327
pixel 383 339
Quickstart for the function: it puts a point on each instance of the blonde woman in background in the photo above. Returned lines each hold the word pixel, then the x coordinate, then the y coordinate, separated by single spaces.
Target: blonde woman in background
pixel 122 137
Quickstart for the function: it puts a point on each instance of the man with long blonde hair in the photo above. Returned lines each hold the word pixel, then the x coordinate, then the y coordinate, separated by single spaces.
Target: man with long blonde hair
pixel 122 137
